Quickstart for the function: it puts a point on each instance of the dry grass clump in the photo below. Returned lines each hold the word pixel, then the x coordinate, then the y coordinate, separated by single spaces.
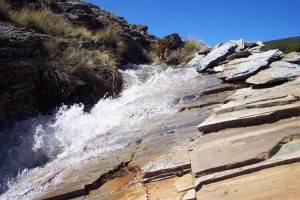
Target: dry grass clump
pixel 191 46
pixel 80 66
pixel 41 21
pixel 153 57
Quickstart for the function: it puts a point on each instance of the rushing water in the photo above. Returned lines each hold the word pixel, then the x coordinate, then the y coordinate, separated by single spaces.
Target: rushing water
pixel 46 145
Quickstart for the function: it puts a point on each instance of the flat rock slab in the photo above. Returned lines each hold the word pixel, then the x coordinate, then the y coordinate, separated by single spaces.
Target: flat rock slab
pixel 240 54
pixel 278 71
pixel 235 148
pixel 124 188
pixel 281 182
pixel 216 56
pixel 169 164
pixel 223 157
pixel 164 189
pixel 287 152
pixel 255 106
pixel 293 57
pixel 240 69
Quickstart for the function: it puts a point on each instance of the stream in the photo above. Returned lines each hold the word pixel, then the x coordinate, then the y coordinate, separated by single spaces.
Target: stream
pixel 46 146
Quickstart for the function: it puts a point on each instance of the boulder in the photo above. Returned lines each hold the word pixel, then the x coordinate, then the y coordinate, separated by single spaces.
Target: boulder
pixel 240 44
pixel 293 57
pixel 217 55
pixel 204 51
pixel 278 71
pixel 240 69
pixel 257 47
pixel 163 47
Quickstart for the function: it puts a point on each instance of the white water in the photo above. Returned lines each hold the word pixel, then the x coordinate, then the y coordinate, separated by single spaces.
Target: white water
pixel 44 147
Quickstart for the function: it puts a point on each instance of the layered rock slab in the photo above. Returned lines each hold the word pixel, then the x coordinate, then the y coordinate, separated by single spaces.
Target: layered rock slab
pixel 240 69
pixel 255 106
pixel 293 57
pixel 278 71
pixel 213 58
pixel 234 151
pixel 274 183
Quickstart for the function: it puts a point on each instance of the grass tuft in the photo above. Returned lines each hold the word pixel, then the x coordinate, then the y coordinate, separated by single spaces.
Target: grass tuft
pixel 191 46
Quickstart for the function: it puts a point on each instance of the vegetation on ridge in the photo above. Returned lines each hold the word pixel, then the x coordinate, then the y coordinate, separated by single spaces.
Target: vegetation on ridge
pixel 72 72
pixel 286 45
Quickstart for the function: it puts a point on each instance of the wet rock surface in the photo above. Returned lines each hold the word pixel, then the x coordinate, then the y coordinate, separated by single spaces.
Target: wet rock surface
pixel 249 134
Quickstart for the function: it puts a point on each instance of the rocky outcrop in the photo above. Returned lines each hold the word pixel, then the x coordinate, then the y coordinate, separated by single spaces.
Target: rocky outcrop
pixel 251 106
pixel 177 162
pixel 213 58
pixel 163 47
pixel 30 77
pixel 240 69
pixel 135 37
pixel 293 57
pixel 22 61
pixel 277 72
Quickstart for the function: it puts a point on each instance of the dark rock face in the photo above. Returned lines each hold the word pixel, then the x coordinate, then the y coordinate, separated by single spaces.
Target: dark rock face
pixel 166 45
pixel 21 65
pixel 78 13
pixel 31 82
pixel 135 37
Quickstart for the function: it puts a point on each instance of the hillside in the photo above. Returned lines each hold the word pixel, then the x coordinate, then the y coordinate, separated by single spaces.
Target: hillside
pixel 286 45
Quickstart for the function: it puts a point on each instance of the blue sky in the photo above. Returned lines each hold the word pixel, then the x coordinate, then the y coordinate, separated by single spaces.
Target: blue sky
pixel 211 21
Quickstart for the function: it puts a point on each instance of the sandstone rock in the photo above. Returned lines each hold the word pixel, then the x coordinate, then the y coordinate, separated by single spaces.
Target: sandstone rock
pixel 293 57
pixel 217 55
pixel 242 68
pixel 225 157
pixel 190 195
pixel 251 106
pixel 286 147
pixel 278 71
pixel 273 183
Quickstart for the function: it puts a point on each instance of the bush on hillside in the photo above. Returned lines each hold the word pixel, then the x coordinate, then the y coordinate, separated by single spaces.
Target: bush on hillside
pixel 286 45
